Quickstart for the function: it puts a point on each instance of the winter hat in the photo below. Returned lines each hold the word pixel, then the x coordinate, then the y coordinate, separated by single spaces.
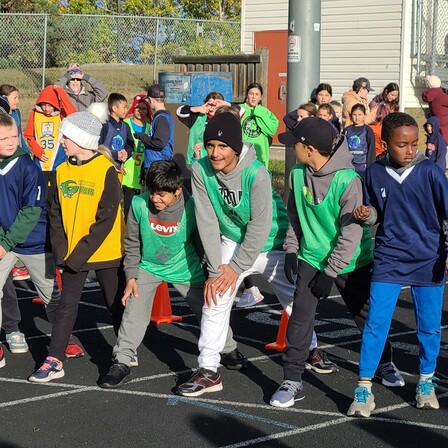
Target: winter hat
pixel 76 73
pixel 142 98
pixel 156 91
pixel 433 81
pixel 100 111
pixel 226 128
pixel 312 131
pixel 83 128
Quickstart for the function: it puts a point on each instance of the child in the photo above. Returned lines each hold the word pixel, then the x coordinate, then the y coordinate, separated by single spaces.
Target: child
pixel 153 255
pixel 23 219
pixel 382 112
pixel 337 108
pixel 196 118
pixel 330 247
pixel 116 134
pixel 303 111
pixel 42 130
pixel 435 143
pixel 323 94
pixel 11 94
pixel 242 230
pixel 360 139
pixel 259 124
pixel 87 227
pixel 159 144
pixel 404 190
pixel 326 112
pixel 138 121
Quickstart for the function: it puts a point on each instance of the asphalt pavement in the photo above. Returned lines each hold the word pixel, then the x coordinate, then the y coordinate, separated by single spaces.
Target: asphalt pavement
pixel 74 412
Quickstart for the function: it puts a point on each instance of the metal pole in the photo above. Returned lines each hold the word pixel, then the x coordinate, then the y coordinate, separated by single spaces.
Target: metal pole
pixel 44 50
pixel 303 58
pixel 433 57
pixel 118 31
pixel 156 47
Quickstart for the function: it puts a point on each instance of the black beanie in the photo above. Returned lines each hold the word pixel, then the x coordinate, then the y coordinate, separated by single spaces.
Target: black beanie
pixel 226 128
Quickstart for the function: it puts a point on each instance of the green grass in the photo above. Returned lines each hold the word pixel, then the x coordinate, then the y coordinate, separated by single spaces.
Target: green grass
pixel 277 168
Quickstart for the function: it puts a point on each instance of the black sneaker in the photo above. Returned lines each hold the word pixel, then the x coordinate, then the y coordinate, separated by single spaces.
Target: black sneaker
pixel 118 374
pixel 234 360
pixel 201 382
pixel 318 361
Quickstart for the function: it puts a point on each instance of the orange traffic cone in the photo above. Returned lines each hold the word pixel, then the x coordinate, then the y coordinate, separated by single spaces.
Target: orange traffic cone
pixel 161 309
pixel 38 300
pixel 280 342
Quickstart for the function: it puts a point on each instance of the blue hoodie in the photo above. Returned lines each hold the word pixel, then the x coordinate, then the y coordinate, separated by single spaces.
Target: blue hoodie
pixel 435 144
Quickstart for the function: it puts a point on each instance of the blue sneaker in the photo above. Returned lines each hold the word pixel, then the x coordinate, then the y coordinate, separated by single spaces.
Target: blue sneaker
pixel 287 394
pixel 50 370
pixel 425 394
pixel 390 375
pixel 363 404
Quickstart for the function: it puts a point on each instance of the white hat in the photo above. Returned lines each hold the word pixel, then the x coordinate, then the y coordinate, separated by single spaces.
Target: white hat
pixel 433 81
pixel 83 128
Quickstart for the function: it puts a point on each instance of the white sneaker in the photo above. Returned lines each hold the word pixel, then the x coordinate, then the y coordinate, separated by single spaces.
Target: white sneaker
pixel 363 404
pixel 250 297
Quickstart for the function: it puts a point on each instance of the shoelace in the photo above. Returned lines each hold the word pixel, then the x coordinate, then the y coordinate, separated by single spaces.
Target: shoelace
pixel 361 394
pixel 289 386
pixel 47 365
pixel 388 368
pixel 427 387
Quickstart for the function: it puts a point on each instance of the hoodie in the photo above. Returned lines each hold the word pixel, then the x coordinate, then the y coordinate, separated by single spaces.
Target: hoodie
pixel 23 220
pixel 318 183
pixel 42 131
pixel 260 223
pixel 349 99
pixel 435 144
pixel 437 99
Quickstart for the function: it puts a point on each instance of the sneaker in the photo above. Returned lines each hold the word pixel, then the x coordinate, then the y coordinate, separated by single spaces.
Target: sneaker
pixel 20 274
pixel 50 370
pixel 118 374
pixel 390 375
pixel 250 297
pixel 2 358
pixel 16 342
pixel 426 397
pixel 201 382
pixel 73 350
pixel 134 361
pixel 287 394
pixel 234 360
pixel 363 404
pixel 318 361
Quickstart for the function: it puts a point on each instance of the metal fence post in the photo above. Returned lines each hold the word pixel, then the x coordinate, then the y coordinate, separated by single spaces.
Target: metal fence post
pixel 44 50
pixel 155 51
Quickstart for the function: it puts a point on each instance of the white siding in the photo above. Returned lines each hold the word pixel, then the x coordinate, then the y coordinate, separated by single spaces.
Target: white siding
pixel 358 38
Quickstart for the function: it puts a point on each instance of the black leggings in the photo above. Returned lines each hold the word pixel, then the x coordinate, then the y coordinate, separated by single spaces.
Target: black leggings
pixel 112 284
pixel 10 307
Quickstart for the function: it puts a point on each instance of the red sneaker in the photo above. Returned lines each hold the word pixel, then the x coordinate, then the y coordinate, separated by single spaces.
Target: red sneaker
pixel 73 350
pixel 20 274
pixel 2 358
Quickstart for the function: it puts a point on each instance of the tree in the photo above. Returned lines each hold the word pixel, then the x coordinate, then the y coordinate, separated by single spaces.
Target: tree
pixel 11 6
pixel 212 9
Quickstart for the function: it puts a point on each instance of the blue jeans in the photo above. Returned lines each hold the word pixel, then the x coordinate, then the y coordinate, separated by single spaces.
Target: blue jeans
pixel 428 316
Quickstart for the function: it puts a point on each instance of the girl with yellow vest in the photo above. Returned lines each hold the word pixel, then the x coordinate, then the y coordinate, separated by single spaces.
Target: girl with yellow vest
pixel 87 228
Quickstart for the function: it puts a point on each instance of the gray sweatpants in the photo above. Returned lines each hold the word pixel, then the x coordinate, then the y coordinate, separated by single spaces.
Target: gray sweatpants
pixel 136 315
pixel 42 269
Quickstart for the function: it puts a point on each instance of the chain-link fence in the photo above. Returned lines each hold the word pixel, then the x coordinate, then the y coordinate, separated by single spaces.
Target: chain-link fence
pixel 430 47
pixel 36 48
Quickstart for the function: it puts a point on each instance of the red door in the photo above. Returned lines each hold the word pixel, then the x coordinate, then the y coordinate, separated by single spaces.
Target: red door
pixel 275 94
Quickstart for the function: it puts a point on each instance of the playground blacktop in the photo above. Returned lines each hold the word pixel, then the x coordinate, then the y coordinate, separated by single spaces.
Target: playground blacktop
pixel 74 412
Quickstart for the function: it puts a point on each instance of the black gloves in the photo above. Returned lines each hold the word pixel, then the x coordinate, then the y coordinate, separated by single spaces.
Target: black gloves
pixel 321 285
pixel 291 265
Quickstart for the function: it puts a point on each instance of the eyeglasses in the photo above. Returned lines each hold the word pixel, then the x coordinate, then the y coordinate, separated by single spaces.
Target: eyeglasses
pixel 75 79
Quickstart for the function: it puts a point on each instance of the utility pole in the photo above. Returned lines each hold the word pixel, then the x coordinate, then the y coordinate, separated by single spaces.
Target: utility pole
pixel 304 27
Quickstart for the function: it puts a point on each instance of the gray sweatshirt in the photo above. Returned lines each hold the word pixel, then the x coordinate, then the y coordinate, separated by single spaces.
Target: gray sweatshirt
pixel 318 183
pixel 260 223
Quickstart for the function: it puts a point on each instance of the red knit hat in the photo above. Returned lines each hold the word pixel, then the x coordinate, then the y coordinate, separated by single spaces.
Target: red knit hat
pixel 142 98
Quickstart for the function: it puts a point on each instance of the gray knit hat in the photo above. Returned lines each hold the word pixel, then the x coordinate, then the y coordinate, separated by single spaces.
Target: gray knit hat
pixel 83 128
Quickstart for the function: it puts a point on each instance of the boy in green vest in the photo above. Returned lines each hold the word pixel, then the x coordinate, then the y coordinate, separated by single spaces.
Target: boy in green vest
pixel 242 227
pixel 330 247
pixel 160 245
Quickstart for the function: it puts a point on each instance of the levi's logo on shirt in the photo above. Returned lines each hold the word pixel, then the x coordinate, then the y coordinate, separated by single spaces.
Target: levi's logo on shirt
pixel 163 227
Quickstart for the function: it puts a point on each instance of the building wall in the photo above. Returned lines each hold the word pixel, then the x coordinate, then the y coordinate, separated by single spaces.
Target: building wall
pixel 358 38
